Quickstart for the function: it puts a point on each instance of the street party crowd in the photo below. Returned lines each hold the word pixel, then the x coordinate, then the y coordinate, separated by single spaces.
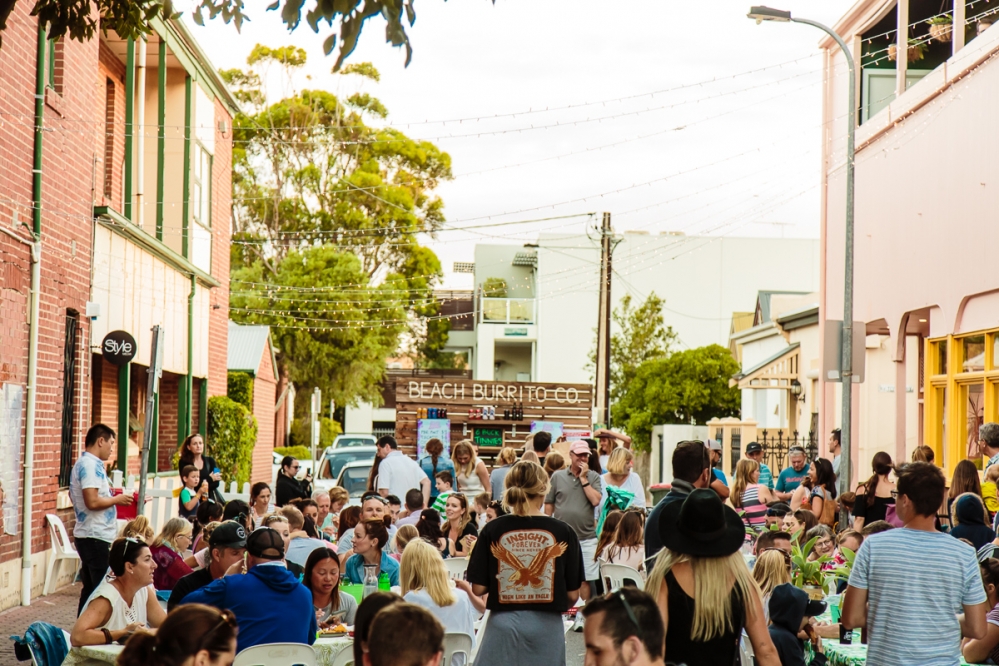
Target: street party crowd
pixel 717 569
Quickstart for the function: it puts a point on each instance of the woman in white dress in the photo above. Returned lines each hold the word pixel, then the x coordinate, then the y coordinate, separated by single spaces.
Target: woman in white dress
pixel 470 472
pixel 620 475
pixel 123 604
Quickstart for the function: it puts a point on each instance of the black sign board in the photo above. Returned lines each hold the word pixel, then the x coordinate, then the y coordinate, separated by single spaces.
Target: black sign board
pixel 118 348
pixel 488 436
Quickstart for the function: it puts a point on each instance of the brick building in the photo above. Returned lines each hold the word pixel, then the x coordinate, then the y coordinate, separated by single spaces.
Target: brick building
pixel 128 181
pixel 251 351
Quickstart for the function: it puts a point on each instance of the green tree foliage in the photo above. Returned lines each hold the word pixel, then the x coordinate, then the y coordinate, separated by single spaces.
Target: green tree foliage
pixel 240 388
pixel 232 434
pixel 640 336
pixel 301 435
pixel 330 333
pixel 689 386
pixel 80 19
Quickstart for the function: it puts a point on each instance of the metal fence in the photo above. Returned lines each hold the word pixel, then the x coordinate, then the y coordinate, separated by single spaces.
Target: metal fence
pixel 776 445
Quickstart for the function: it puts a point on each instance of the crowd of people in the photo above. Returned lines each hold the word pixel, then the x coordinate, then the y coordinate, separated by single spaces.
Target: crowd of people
pixel 716 559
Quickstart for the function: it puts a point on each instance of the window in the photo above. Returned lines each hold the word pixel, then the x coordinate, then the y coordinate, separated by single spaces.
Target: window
pixel 68 386
pixel 56 62
pixel 201 186
pixel 108 136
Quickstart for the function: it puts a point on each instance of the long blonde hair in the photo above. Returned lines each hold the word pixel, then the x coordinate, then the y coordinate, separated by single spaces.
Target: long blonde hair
pixel 770 571
pixel 138 528
pixel 423 569
pixel 525 481
pixel 743 479
pixel 469 468
pixel 171 530
pixel 714 580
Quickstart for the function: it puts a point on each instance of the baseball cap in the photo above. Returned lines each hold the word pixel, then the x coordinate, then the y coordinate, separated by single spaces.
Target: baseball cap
pixel 229 534
pixel 266 544
pixel 753 447
pixel 579 447
pixel 714 445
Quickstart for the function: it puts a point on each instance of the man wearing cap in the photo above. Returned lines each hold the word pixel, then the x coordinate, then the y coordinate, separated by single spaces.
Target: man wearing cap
pixel 269 603
pixel 226 548
pixel 691 469
pixel 572 497
pixel 720 483
pixel 791 477
pixel 790 611
pixel 754 451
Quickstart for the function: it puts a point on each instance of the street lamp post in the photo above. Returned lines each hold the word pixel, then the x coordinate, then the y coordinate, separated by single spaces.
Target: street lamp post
pixel 760 14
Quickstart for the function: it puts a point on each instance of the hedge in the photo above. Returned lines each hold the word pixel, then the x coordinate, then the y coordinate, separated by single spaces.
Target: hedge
pixel 301 433
pixel 240 388
pixel 232 434
pixel 298 452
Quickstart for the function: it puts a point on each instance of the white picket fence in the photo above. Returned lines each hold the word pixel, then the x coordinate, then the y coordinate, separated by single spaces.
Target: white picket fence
pixel 165 505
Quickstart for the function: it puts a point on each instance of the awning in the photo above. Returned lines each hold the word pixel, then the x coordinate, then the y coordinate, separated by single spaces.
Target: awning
pixel 778 371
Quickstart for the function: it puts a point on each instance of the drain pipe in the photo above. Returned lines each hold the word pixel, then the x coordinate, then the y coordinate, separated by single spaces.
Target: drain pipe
pixel 36 279
pixel 140 141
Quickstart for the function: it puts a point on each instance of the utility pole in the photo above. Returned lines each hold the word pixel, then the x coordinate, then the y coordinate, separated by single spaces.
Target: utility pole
pixel 602 396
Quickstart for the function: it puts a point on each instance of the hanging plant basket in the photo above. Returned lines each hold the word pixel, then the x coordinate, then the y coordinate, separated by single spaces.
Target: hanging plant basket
pixel 917 51
pixel 941 28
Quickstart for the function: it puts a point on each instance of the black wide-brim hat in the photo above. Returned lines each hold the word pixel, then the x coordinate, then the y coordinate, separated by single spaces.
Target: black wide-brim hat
pixel 702 526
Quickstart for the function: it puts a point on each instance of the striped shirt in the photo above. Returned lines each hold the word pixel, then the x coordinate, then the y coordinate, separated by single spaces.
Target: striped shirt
pixel 917 582
pixel 766 476
pixel 754 511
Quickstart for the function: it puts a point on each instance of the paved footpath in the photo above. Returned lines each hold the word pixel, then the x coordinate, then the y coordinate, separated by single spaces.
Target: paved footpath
pixel 58 608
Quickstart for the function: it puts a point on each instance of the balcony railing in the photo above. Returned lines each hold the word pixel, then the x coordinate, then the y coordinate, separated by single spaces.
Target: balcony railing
pixel 507 310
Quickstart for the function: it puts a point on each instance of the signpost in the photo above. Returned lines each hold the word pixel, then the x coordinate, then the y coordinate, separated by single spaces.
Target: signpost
pixel 155 371
pixel 317 407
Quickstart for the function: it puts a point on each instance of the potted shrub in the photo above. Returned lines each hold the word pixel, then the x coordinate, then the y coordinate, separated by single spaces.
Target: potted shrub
pixel 941 28
pixel 916 51
pixel 808 574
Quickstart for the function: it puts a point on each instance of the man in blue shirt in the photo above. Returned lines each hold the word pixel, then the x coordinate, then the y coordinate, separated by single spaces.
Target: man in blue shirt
pixel 791 477
pixel 269 603
pixel 754 451
pixel 719 484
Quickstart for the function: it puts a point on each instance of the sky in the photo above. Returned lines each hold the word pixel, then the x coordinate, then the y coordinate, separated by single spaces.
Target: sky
pixel 553 108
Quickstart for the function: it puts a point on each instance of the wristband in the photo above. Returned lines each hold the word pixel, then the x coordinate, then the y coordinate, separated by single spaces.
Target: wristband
pixel 585 485
pixel 108 639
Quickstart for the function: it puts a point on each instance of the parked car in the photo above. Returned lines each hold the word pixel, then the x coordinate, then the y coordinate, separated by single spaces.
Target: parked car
pixel 353 478
pixel 346 440
pixel 335 460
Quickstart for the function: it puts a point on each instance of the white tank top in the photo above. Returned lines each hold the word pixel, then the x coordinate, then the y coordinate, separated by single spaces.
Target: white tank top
pixel 121 614
pixel 470 485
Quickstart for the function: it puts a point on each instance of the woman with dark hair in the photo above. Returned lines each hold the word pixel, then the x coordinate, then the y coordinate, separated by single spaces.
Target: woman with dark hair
pixel 322 578
pixel 239 511
pixel 192 635
pixel 964 480
pixel 349 518
pixel 823 497
pixel 874 497
pixel 429 527
pixel 366 612
pixel 798 523
pixel 370 539
pixel 435 462
pixel 192 453
pixel 288 487
pixel 260 501
pixel 373 476
pixel 209 511
pixel 121 605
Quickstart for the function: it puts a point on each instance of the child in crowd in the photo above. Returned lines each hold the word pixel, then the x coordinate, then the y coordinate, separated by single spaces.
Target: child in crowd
pixel 790 610
pixel 191 495
pixel 606 539
pixel 494 511
pixel 989 490
pixel 481 504
pixel 445 483
pixel 403 536
pixel 628 547
pixel 208 511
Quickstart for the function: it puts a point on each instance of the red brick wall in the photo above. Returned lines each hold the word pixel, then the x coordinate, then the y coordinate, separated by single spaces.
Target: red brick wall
pixel 264 387
pixel 67 167
pixel 166 442
pixel 218 323
pixel 110 67
pixel 195 405
pixel 104 396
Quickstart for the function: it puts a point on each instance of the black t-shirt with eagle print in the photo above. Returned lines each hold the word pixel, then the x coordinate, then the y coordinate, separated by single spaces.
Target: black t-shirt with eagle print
pixel 528 563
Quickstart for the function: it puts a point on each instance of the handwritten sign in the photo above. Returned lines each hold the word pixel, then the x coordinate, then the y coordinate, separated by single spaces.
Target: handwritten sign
pixel 428 429
pixel 488 436
pixel 554 428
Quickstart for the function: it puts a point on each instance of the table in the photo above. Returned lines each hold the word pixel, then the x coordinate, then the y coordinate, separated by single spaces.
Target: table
pixel 92 655
pixel 855 654
pixel 328 647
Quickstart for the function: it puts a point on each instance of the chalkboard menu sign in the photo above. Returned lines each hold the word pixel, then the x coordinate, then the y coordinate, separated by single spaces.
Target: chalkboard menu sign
pixel 489 436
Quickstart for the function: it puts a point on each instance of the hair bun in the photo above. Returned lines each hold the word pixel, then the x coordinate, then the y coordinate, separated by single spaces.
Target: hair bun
pixel 140 650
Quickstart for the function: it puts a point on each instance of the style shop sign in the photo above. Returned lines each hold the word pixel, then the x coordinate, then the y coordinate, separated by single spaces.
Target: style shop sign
pixel 496 392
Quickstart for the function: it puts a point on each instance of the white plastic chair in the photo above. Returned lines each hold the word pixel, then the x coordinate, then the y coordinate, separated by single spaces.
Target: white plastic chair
pixel 457 644
pixel 62 549
pixel 480 632
pixel 615 575
pixel 456 567
pixel 746 654
pixel 344 657
pixel 277 654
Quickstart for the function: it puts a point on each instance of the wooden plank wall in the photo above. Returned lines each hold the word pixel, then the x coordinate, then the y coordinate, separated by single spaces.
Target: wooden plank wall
pixel 571 404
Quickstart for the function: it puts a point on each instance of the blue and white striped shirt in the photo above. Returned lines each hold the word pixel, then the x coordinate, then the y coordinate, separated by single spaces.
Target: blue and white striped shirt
pixel 917 583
